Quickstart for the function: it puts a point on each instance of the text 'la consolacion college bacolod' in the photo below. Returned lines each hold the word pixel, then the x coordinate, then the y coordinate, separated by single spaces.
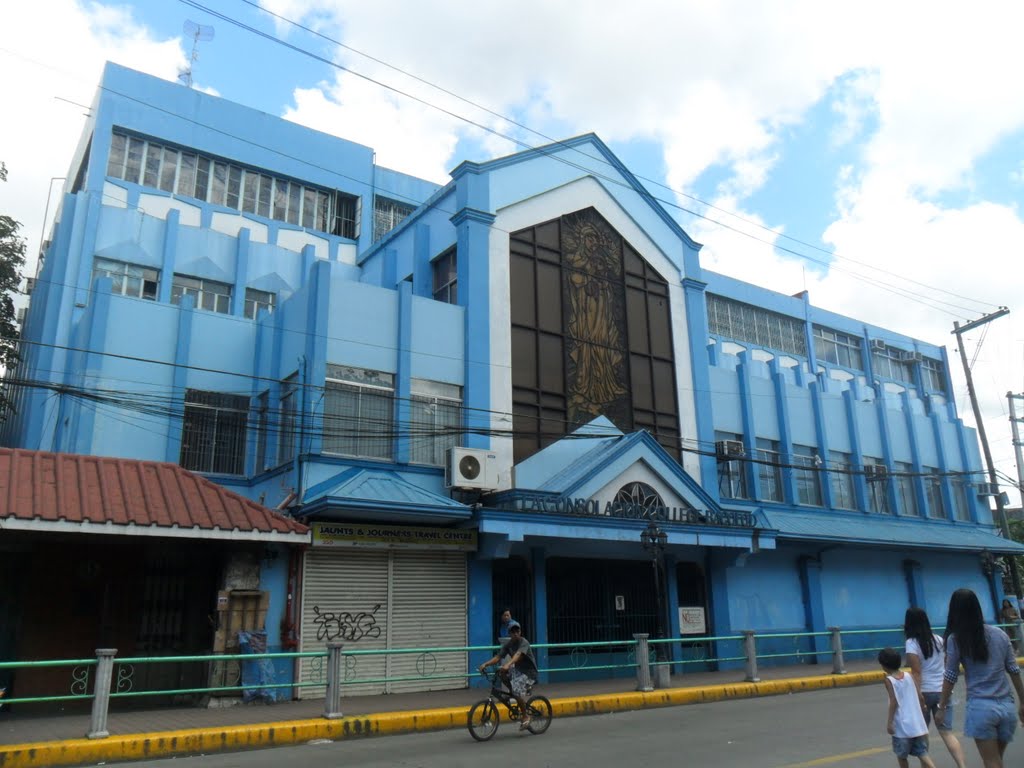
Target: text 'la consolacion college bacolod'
pixel 428 403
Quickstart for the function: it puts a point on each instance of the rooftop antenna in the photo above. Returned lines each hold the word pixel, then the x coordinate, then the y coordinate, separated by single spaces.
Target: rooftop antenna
pixel 200 33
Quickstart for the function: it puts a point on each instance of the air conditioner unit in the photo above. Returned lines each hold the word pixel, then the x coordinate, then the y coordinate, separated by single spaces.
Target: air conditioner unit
pixel 875 472
pixel 878 345
pixel 988 489
pixel 30 284
pixel 472 469
pixel 21 315
pixel 911 357
pixel 729 449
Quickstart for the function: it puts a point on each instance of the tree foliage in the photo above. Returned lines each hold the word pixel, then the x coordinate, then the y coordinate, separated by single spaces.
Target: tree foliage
pixel 12 259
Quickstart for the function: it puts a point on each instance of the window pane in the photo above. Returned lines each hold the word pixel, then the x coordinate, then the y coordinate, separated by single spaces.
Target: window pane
pixel 218 187
pixel 169 170
pixel 151 178
pixel 309 208
pixel 266 191
pixel 252 185
pixel 202 178
pixel 187 176
pixel 294 203
pixel 234 186
pixel 280 199
pixel 133 164
pixel 115 162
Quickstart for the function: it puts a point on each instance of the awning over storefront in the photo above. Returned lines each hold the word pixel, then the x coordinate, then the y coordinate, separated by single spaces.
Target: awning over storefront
pixel 384 495
pixel 62 492
pixel 512 527
pixel 876 529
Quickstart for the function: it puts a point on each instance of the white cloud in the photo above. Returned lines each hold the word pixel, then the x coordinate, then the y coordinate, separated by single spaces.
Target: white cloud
pixel 919 91
pixel 57 49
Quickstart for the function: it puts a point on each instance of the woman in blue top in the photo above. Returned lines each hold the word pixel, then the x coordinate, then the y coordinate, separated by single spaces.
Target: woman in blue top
pixel 987 656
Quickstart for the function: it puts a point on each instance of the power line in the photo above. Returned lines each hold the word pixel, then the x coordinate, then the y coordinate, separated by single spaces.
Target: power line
pixel 563 145
pixel 547 152
pixel 336 427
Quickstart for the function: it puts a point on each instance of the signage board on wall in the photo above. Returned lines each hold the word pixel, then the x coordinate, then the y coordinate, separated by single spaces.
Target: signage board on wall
pixel 372 535
pixel 691 620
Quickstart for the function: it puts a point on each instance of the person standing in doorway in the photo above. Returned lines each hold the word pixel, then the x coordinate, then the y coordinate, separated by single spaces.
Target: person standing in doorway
pixel 990 713
pixel 1008 615
pixel 506 619
pixel 925 659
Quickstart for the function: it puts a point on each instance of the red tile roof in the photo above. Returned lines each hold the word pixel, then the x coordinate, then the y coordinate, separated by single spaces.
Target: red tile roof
pixel 47 491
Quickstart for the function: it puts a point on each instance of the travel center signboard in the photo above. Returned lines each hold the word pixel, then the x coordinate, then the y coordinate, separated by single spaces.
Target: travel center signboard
pixel 373 536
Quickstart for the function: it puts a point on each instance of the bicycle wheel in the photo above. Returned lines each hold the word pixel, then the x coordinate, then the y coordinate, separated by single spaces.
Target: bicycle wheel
pixel 482 720
pixel 539 710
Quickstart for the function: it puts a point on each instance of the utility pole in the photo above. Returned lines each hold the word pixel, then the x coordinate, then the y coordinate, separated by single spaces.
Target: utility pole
pixel 1012 399
pixel 958 331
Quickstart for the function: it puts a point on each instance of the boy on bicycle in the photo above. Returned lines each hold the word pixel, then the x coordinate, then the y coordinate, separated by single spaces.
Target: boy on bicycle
pixel 519 669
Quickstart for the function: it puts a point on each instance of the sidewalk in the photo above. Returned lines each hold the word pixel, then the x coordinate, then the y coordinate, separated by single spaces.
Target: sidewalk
pixel 30 741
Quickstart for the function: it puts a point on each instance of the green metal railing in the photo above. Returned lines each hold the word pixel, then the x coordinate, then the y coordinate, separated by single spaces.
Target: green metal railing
pixel 98 680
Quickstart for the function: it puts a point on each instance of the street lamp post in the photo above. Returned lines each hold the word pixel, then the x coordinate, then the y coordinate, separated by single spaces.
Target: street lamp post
pixel 654 540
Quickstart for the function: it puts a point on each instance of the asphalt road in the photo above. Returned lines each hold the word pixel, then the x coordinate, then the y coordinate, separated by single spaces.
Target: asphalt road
pixel 844 728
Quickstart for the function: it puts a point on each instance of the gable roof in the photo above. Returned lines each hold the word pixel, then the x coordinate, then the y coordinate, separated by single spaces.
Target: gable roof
pixel 595 454
pixel 51 492
pixel 604 156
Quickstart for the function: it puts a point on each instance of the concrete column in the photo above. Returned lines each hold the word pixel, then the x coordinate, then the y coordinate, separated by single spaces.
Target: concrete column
pixel 750 650
pixel 643 663
pixel 838 664
pixel 332 701
pixel 101 693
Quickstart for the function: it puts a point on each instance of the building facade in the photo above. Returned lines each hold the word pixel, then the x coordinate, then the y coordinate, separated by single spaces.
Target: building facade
pixel 478 395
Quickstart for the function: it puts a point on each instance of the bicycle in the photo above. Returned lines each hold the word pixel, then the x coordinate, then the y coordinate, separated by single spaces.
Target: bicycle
pixel 483 717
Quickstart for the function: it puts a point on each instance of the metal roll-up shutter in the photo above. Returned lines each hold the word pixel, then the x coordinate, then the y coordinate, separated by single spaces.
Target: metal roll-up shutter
pixel 428 610
pixel 345 597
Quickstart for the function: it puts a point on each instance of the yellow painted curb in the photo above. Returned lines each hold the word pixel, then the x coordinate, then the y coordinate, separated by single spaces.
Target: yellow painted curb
pixel 139 746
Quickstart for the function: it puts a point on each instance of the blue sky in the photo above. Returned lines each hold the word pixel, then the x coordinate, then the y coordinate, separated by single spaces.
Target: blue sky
pixel 897 146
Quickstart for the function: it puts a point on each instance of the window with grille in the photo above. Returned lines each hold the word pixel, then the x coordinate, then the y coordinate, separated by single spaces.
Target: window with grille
pixel 768 469
pixel 933 491
pixel 359 412
pixel 435 421
pixel 388 214
pixel 207 294
pixel 933 372
pixel 189 174
pixel 841 480
pixel 213 432
pixel 446 277
pixel 256 301
pixel 838 348
pixel 289 407
pixel 905 489
pixel 746 323
pixel 732 476
pixel 128 279
pixel 807 476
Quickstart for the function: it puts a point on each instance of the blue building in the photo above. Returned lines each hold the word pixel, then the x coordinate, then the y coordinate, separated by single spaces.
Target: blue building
pixel 479 394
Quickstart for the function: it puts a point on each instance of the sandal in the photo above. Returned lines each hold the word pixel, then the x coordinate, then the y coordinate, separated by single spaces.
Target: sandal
pixel 524 724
